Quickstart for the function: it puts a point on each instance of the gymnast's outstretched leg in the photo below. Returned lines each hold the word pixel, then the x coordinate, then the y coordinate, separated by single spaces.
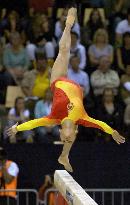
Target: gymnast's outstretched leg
pixel 60 67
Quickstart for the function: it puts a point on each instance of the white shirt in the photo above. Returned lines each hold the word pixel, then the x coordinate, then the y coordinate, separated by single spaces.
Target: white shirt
pixel 100 81
pixel 26 113
pixel 13 169
pixel 79 50
pixel 81 78
pixel 123 27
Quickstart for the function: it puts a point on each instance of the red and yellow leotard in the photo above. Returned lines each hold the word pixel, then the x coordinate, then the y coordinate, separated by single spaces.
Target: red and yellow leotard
pixel 67 104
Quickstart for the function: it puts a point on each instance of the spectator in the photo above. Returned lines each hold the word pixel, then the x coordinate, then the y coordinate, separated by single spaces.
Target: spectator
pixel 78 49
pixel 51 197
pixel 8 179
pixel 123 53
pixel 19 114
pixel 100 47
pixel 5 77
pixel 60 24
pixel 5 80
pixel 44 42
pixel 127 120
pixel 15 58
pixel 43 108
pixel 122 27
pixel 3 21
pixel 46 47
pixel 36 81
pixel 79 76
pixel 110 110
pixel 93 24
pixel 125 86
pixel 104 77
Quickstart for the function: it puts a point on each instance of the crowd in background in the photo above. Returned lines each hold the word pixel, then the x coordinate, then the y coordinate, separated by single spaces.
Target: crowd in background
pixel 99 62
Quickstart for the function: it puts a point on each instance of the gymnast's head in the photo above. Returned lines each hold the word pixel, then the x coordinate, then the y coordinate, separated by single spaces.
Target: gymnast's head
pixel 68 130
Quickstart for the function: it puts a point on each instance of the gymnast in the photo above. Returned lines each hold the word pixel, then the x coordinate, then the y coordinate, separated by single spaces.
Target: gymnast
pixel 67 107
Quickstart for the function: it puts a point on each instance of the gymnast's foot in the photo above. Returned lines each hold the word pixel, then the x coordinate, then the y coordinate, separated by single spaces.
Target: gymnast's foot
pixel 65 161
pixel 72 12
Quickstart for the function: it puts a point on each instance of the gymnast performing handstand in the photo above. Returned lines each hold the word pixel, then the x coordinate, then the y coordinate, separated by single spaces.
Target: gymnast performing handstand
pixel 67 107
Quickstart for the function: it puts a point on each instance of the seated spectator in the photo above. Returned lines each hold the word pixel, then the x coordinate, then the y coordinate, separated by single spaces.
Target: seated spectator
pixel 52 197
pixel 100 47
pixel 78 49
pixel 127 121
pixel 122 27
pixel 104 77
pixel 36 81
pixel 60 24
pixel 46 47
pixel 15 58
pixel 18 114
pixel 13 24
pixel 110 111
pixel 93 24
pixel 125 86
pixel 5 80
pixel 44 42
pixel 123 53
pixel 43 108
pixel 77 75
pixel 3 21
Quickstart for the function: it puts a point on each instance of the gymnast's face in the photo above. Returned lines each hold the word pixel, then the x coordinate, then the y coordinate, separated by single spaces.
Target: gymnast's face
pixel 68 131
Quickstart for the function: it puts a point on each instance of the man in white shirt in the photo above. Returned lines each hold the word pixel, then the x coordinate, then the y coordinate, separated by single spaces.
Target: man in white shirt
pixel 8 179
pixel 122 27
pixel 78 49
pixel 79 76
pixel 104 77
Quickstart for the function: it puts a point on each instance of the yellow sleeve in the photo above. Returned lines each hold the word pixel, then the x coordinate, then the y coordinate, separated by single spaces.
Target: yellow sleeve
pixel 90 122
pixel 45 121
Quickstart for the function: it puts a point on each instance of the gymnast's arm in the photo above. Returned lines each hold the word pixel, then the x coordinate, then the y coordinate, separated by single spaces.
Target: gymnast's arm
pixel 90 122
pixel 45 121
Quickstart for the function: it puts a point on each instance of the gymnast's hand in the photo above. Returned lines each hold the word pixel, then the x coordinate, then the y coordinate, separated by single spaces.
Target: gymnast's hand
pixel 117 137
pixel 11 132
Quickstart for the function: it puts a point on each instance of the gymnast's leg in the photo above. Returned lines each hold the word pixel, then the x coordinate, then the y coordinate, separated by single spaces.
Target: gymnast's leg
pixel 60 66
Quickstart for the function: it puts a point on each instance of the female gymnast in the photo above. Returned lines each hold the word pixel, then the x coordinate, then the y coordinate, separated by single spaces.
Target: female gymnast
pixel 67 108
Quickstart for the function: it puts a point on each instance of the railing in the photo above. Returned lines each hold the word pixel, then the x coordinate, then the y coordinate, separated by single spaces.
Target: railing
pixel 101 196
pixel 23 196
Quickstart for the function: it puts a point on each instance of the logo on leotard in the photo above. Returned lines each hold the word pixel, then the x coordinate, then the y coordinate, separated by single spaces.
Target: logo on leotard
pixel 70 106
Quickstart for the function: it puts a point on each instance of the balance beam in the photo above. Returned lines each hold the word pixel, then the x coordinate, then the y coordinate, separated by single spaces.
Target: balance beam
pixel 73 193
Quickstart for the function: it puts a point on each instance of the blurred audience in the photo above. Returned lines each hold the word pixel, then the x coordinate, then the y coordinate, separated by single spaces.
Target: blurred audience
pixel 125 85
pixel 110 111
pixel 127 121
pixel 94 22
pixel 43 108
pixel 100 47
pixel 122 27
pixel 123 53
pixel 15 58
pixel 104 77
pixel 78 75
pixel 36 81
pixel 78 49
pixel 18 114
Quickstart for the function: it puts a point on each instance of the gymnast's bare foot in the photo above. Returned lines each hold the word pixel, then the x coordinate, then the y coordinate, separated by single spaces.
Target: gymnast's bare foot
pixel 65 161
pixel 71 16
